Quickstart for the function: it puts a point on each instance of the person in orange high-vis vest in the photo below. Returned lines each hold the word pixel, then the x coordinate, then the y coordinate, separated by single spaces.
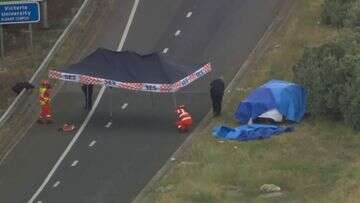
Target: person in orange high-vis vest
pixel 44 100
pixel 184 119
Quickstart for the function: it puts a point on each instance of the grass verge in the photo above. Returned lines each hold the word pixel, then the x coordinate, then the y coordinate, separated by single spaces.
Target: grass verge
pixel 319 162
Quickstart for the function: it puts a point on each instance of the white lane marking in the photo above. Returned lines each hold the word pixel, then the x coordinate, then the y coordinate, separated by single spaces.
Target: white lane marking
pixel 124 106
pixel 127 28
pixel 108 124
pixel 77 135
pixel 56 184
pixel 92 143
pixel 87 119
pixel 39 202
pixel 165 50
pixel 75 163
pixel 188 15
pixel 177 32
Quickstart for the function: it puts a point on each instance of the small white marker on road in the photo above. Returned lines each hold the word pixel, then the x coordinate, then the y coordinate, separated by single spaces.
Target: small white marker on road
pixel 177 32
pixel 108 124
pixel 92 143
pixel 188 15
pixel 124 106
pixel 39 202
pixel 165 50
pixel 56 184
pixel 75 163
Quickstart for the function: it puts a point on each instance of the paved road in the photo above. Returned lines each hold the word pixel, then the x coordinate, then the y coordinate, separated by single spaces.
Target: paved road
pixel 113 164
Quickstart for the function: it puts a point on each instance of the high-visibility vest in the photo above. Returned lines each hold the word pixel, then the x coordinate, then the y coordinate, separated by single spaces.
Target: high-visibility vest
pixel 44 96
pixel 183 115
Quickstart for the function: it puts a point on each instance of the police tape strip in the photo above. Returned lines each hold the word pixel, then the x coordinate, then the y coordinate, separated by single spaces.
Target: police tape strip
pixel 148 87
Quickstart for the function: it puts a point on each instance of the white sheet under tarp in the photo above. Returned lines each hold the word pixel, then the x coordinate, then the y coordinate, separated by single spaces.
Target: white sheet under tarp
pixel 273 114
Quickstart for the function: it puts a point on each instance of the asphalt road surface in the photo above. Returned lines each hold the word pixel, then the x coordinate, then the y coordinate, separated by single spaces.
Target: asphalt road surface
pixel 113 159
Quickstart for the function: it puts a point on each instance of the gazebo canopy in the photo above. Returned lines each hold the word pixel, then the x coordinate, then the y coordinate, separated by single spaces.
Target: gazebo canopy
pixel 129 70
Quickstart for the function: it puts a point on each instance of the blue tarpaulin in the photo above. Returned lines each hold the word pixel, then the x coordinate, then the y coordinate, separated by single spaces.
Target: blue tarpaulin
pixel 249 132
pixel 288 98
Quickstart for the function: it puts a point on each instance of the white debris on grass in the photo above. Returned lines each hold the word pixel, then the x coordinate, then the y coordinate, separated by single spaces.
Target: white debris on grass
pixel 270 188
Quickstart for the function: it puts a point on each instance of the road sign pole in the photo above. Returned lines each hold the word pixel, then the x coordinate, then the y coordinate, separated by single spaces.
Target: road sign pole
pixel 2 42
pixel 44 9
pixel 31 43
pixel 31 37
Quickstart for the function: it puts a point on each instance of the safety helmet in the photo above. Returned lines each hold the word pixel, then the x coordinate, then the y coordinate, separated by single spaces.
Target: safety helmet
pixel 180 109
pixel 45 82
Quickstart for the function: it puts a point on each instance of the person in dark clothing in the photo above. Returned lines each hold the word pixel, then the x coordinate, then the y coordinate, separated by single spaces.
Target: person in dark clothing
pixel 88 91
pixel 217 88
pixel 18 87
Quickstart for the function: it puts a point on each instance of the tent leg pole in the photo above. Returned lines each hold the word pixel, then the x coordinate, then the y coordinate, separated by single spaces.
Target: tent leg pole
pixel 111 103
pixel 152 105
pixel 175 104
pixel 174 99
pixel 189 99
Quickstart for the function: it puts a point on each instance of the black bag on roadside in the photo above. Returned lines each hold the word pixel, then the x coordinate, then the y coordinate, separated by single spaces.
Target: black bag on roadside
pixel 18 87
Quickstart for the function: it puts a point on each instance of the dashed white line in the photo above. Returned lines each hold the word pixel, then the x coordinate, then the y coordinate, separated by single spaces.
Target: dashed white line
pixel 124 106
pixel 56 184
pixel 188 15
pixel 108 124
pixel 75 163
pixel 39 202
pixel 92 143
pixel 177 32
pixel 165 50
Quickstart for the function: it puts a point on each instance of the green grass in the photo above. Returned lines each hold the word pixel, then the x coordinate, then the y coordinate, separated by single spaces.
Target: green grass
pixel 318 162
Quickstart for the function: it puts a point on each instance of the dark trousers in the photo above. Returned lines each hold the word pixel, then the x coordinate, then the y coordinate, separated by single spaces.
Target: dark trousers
pixel 88 101
pixel 87 90
pixel 216 103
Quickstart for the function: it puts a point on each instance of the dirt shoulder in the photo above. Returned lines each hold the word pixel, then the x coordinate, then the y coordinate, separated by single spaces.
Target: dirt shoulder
pixel 315 163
